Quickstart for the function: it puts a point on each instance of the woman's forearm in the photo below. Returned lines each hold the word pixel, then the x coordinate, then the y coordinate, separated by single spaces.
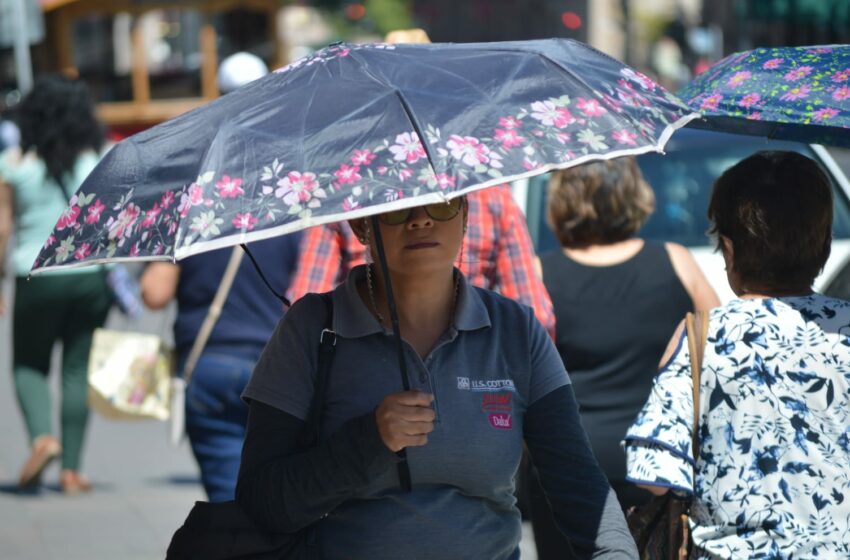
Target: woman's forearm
pixel 283 489
pixel 585 507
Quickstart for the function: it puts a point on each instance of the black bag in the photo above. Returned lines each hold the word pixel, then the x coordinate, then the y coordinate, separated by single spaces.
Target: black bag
pixel 222 531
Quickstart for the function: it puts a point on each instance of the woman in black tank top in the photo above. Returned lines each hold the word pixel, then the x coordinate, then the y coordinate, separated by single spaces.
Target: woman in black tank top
pixel 617 298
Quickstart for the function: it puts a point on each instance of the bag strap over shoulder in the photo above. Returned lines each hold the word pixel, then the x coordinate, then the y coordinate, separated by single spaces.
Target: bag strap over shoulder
pixel 327 346
pixel 213 314
pixel 697 328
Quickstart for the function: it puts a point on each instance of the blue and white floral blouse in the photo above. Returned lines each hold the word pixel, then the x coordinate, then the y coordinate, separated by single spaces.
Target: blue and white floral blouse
pixel 773 474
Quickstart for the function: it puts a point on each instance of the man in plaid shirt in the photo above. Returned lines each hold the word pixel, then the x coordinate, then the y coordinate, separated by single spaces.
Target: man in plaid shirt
pixel 497 254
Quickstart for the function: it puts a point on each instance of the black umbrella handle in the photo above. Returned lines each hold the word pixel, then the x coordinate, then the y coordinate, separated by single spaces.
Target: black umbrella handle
pixel 403 468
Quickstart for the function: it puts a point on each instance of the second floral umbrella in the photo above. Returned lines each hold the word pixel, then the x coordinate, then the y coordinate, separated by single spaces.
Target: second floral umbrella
pixel 785 93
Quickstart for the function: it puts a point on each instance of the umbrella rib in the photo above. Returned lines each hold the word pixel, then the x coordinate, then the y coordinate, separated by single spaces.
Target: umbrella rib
pixel 422 140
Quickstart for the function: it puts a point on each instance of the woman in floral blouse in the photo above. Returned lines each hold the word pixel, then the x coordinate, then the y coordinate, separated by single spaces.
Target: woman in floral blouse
pixel 772 479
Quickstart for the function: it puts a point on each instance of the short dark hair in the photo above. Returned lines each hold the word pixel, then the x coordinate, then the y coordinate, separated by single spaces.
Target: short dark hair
pixel 57 119
pixel 776 209
pixel 599 202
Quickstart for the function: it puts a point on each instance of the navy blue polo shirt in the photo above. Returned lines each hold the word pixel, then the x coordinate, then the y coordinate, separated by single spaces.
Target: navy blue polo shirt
pixel 491 364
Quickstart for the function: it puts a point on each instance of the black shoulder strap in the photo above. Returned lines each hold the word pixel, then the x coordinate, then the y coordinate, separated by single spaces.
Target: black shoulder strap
pixel 327 345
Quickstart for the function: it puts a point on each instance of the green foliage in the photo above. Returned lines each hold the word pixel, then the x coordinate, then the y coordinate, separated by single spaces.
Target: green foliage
pixel 390 14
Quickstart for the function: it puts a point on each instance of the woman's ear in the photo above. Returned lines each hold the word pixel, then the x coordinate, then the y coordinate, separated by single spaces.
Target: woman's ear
pixel 360 227
pixel 728 251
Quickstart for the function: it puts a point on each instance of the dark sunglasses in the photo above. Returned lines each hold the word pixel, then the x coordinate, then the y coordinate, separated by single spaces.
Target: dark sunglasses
pixel 440 211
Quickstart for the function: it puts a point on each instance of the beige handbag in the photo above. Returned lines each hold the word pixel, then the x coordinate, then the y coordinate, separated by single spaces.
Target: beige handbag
pixel 129 375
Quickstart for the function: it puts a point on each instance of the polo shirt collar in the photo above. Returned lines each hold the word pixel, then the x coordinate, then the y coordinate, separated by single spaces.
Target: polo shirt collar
pixel 352 319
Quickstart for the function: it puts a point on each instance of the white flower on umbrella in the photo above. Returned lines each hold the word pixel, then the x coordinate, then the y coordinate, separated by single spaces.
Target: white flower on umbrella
pixel 121 226
pixel 593 140
pixel 298 188
pixel 206 224
pixel 407 148
pixel 548 113
pixel 641 79
pixel 468 149
pixel 65 249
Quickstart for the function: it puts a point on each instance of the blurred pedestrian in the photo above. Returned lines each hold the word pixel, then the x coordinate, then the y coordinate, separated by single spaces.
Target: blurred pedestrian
pixel 60 144
pixel 215 414
pixel 771 478
pixel 617 297
pixel 498 253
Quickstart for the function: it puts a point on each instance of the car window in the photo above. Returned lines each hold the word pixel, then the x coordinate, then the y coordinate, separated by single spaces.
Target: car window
pixel 682 181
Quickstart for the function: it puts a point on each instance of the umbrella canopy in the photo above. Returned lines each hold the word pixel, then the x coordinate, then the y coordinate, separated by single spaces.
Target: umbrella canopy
pixel 358 130
pixel 788 93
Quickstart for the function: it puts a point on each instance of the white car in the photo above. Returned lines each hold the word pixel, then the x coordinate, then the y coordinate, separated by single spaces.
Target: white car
pixel 682 180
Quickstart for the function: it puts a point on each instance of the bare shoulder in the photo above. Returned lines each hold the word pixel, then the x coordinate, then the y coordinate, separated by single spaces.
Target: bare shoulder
pixel 672 344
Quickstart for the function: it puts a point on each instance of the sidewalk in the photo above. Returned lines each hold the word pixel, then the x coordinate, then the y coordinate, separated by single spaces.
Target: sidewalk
pixel 143 488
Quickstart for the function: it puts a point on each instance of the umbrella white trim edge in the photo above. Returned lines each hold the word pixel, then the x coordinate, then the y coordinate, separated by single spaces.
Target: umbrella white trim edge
pixel 248 237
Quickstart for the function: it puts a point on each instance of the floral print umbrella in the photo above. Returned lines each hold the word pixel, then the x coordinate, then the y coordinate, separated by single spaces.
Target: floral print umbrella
pixel 789 93
pixel 357 130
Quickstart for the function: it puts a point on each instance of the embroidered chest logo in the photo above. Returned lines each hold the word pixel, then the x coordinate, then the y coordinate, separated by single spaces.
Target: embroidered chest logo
pixel 501 421
pixel 496 401
pixel 485 385
pixel 499 405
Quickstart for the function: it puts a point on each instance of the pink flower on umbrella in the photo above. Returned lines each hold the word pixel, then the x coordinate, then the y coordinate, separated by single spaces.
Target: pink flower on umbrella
pixel 754 116
pixel 348 174
pixel 172 227
pixel 841 93
pixel 362 157
pixel 550 114
pixel 750 99
pixel 510 123
pixel 624 137
pixel 405 174
pixel 796 93
pixel 82 251
pixel 382 170
pixel 711 102
pixel 229 188
pixel 122 225
pixel 797 73
pixel 151 216
pixel 134 249
pixel 773 63
pixel 196 194
pixel 50 240
pixel 244 221
pixel 94 211
pixel 68 219
pixel 739 78
pixel 407 148
pixel 444 181
pixel 562 137
pixel 167 199
pixel 298 188
pixel 841 76
pixel 468 150
pixel 509 138
pixel 825 114
pixel 591 107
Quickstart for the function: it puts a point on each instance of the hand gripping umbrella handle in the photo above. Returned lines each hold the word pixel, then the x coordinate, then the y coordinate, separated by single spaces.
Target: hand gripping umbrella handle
pixel 403 468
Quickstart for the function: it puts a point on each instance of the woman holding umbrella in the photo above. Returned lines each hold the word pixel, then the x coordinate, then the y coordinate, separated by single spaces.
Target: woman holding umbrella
pixel 484 378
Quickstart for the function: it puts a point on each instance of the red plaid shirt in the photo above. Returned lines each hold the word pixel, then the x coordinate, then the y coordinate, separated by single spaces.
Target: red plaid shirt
pixel 497 254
